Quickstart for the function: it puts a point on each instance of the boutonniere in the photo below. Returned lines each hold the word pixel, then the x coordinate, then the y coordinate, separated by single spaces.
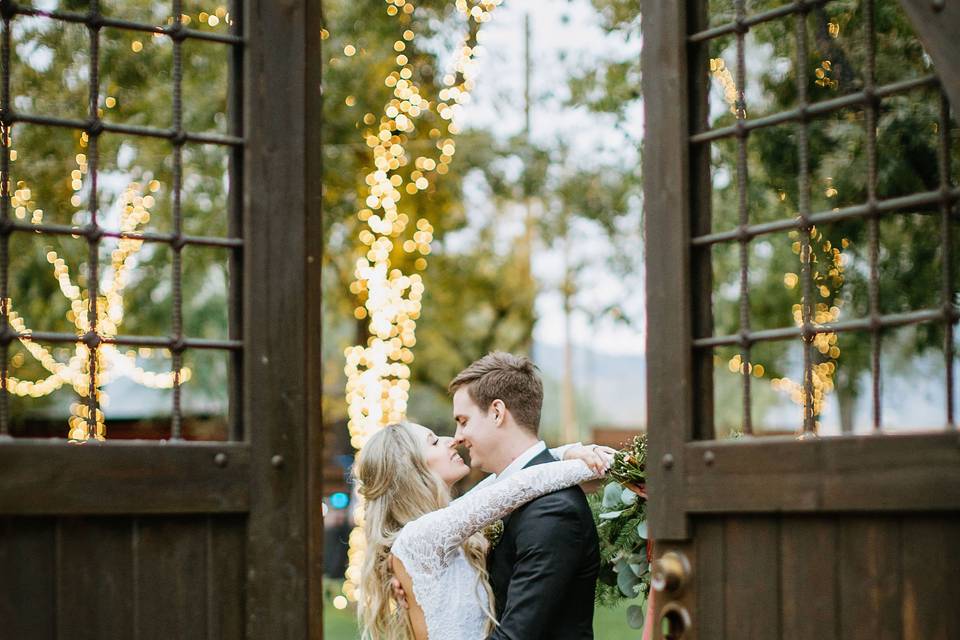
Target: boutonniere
pixel 493 533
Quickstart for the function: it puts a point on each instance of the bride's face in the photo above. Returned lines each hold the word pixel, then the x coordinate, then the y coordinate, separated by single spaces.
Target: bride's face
pixel 441 456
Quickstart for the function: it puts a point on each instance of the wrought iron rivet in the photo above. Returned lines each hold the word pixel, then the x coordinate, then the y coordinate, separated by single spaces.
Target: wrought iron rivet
pixel 94 233
pixel 264 359
pixel 708 458
pixel 277 461
pixel 91 339
pixel 309 259
pixel 938 5
pixel 668 461
pixel 179 138
pixel 220 460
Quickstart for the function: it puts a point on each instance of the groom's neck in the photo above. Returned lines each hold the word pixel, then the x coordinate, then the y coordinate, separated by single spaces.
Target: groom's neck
pixel 513 448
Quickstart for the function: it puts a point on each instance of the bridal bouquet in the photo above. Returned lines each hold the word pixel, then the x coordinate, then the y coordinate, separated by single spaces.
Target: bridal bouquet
pixel 620 514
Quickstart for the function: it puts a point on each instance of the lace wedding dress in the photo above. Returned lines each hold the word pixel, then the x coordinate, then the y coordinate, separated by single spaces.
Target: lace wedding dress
pixel 444 583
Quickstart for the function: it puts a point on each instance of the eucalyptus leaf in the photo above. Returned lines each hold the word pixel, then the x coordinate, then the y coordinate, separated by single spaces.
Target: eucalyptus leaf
pixel 628 497
pixel 642 530
pixel 639 568
pixel 635 616
pixel 610 515
pixel 628 583
pixel 611 494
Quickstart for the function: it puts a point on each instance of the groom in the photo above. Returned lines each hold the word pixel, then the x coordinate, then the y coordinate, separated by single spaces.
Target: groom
pixel 543 568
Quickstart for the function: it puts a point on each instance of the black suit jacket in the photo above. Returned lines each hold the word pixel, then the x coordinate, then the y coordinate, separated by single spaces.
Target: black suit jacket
pixel 544 568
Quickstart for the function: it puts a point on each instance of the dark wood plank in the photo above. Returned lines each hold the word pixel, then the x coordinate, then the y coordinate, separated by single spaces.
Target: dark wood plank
pixel 275 314
pixel 667 229
pixel 171 577
pixel 94 579
pixel 752 578
pixel 27 578
pixel 226 570
pixel 848 473
pixel 54 477
pixel 808 556
pixel 710 576
pixel 869 579
pixel 930 551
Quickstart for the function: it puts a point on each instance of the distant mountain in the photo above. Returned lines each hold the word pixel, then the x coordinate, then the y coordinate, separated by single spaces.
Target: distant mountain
pixel 611 389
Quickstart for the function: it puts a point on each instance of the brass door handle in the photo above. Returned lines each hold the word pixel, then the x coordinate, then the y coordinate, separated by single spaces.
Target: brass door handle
pixel 670 573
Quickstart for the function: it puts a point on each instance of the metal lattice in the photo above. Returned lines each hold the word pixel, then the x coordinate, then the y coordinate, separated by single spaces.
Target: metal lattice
pixel 869 98
pixel 94 233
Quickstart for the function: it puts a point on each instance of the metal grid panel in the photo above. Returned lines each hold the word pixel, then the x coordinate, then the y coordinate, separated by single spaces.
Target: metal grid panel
pixel 94 233
pixel 945 198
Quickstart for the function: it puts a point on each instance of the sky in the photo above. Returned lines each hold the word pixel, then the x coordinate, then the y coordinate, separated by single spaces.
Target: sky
pixel 564 36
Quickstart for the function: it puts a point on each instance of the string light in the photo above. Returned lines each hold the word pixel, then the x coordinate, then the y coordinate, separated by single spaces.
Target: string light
pixel 378 372
pixel 730 94
pixel 110 363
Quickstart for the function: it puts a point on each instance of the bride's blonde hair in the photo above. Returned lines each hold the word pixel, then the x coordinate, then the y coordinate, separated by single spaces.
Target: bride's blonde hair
pixel 398 487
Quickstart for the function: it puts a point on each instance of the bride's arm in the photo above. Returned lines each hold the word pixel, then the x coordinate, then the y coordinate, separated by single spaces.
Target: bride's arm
pixel 430 538
pixel 591 454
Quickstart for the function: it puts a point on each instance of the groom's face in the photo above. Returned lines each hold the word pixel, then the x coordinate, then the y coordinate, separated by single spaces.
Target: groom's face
pixel 476 429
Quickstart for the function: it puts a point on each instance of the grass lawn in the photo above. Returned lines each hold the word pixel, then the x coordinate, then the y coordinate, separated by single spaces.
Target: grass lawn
pixel 608 624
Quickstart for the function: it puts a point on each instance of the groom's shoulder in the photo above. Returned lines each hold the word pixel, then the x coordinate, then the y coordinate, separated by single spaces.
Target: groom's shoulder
pixel 570 500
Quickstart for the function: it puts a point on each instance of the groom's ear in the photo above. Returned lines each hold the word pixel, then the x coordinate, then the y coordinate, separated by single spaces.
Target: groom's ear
pixel 499 412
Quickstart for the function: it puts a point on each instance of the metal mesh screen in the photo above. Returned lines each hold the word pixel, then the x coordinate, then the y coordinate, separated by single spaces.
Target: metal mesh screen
pixel 95 233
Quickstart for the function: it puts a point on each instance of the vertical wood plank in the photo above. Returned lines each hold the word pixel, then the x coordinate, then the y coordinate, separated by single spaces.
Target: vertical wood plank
pixel 870 579
pixel 931 577
pixel 275 312
pixel 226 593
pixel 808 556
pixel 171 589
pixel 94 578
pixel 752 580
pixel 27 584
pixel 710 577
pixel 667 227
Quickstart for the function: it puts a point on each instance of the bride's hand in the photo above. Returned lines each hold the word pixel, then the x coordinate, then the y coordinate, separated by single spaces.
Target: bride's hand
pixel 597 457
pixel 398 593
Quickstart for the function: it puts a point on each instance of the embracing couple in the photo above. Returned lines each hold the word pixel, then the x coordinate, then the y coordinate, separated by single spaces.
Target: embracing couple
pixel 514 558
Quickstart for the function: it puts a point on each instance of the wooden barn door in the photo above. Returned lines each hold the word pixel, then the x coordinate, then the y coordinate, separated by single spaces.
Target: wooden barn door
pixel 167 535
pixel 832 528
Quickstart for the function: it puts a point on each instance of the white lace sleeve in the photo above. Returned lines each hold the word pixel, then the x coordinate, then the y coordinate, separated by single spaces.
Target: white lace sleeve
pixel 425 544
pixel 556 452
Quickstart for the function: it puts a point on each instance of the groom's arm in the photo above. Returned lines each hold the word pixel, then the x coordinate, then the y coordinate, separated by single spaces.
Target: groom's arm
pixel 549 540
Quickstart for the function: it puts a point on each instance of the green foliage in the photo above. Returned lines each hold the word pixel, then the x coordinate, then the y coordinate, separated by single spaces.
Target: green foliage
pixel 478 295
pixel 620 515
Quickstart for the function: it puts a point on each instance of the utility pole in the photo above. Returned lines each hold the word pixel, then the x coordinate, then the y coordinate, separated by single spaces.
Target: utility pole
pixel 527 249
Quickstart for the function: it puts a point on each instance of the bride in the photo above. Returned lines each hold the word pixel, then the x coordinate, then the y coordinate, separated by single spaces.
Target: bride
pixel 435 546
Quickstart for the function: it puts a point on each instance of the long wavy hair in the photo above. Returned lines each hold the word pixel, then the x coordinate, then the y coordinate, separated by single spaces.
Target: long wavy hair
pixel 398 487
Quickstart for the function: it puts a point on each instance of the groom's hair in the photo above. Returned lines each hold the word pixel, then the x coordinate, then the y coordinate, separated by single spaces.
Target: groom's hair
pixel 504 376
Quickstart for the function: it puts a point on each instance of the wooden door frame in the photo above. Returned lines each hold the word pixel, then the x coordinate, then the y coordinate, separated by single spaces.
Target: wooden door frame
pixel 689 471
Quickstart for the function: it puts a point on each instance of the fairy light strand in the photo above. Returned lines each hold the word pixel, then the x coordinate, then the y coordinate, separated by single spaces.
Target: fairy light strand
pixel 378 372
